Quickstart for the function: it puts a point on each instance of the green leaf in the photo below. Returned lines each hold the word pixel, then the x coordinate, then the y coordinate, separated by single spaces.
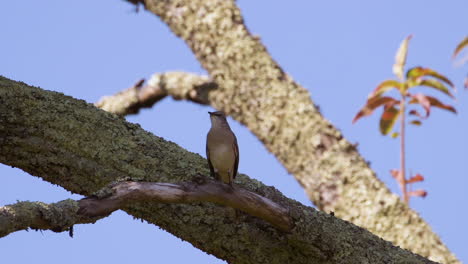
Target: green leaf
pixel 436 85
pixel 388 119
pixel 400 58
pixel 385 86
pixel 372 104
pixel 416 73
pixel 416 122
pixel 460 46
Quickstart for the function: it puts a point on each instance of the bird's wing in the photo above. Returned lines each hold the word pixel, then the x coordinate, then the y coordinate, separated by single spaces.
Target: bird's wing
pixel 236 155
pixel 212 172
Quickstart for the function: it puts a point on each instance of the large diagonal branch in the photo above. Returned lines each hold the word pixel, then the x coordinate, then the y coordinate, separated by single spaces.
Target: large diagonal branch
pixel 81 148
pixel 256 92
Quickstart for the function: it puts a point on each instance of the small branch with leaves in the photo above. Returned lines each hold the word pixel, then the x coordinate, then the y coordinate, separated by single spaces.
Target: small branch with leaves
pixel 394 108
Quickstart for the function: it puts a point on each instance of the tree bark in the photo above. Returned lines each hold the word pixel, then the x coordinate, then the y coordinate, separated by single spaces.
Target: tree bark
pixel 256 92
pixel 81 148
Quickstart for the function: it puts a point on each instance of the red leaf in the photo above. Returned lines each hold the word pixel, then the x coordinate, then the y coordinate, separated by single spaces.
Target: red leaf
pixel 385 86
pixel 371 105
pixel 418 193
pixel 436 103
pixel 416 178
pixel 416 113
pixel 418 72
pixel 423 101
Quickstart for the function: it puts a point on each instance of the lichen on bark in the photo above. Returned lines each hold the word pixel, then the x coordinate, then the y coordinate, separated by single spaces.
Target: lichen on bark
pixel 81 148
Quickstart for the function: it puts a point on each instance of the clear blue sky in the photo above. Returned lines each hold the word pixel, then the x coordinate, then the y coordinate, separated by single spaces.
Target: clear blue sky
pixel 339 51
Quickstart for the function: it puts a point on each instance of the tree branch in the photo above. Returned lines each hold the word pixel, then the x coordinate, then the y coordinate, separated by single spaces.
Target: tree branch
pixel 205 190
pixel 179 85
pixel 81 148
pixel 57 217
pixel 256 92
pixel 61 216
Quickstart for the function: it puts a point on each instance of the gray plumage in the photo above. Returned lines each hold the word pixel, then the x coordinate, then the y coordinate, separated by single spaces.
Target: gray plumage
pixel 222 151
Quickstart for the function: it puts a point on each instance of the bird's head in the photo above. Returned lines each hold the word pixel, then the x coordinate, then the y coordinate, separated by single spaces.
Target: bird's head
pixel 217 118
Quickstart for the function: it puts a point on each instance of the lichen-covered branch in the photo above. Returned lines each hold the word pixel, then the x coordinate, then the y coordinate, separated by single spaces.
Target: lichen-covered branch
pixel 81 148
pixel 204 190
pixel 258 93
pixel 61 216
pixel 179 85
pixel 57 217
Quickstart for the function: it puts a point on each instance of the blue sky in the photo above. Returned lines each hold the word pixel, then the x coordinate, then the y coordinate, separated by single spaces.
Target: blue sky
pixel 338 50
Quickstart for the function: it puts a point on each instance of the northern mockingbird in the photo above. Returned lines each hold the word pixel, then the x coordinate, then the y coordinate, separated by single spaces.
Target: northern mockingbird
pixel 222 151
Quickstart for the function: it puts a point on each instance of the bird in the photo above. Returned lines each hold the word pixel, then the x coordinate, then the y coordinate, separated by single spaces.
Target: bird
pixel 222 151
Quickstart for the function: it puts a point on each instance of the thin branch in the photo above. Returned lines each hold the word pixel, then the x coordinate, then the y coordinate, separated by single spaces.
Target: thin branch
pixel 61 216
pixel 57 217
pixel 205 190
pixel 179 85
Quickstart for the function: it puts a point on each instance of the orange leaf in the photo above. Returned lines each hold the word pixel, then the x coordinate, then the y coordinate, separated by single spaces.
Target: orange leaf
pixel 460 46
pixel 388 119
pixel 400 57
pixel 416 178
pixel 417 72
pixel 371 105
pixel 385 86
pixel 419 193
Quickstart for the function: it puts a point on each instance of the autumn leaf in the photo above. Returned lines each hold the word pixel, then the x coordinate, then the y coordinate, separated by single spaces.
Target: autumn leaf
pixel 396 174
pixel 416 113
pixel 423 101
pixel 388 119
pixel 436 85
pixel 371 105
pixel 385 86
pixel 416 178
pixel 418 193
pixel 416 122
pixel 400 58
pixel 417 73
pixel 395 134
pixel 436 103
pixel 460 46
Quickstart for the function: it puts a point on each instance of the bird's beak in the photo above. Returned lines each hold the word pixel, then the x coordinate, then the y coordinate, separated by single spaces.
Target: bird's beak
pixel 210 113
